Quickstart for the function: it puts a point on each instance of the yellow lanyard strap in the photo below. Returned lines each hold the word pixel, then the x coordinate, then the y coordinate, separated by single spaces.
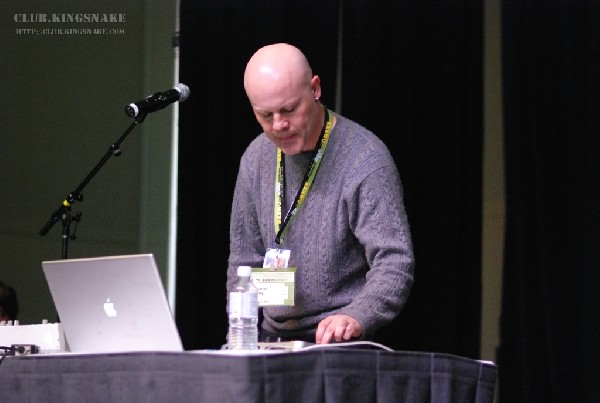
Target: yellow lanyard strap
pixel 309 177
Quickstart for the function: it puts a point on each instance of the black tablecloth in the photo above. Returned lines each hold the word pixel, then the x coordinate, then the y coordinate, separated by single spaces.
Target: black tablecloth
pixel 323 375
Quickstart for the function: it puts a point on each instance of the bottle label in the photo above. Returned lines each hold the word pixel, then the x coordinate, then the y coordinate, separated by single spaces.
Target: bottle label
pixel 243 305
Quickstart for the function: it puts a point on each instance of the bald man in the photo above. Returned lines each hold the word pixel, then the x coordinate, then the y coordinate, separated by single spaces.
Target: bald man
pixel 324 191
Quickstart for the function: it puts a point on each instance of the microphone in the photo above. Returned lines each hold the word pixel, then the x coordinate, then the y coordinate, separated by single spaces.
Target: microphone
pixel 158 101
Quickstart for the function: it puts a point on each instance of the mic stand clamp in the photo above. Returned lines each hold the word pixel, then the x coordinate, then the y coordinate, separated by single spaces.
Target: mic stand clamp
pixel 67 218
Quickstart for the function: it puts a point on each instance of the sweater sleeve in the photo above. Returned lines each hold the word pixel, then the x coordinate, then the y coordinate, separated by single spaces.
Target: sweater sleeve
pixel 378 219
pixel 246 243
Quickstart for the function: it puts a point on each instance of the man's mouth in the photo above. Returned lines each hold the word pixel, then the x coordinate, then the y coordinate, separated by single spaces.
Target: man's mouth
pixel 286 137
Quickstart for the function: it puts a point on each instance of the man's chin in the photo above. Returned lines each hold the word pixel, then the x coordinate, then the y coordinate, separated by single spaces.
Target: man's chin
pixel 290 149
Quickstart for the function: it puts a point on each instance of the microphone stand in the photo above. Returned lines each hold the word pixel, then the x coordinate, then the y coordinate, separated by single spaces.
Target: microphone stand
pixel 63 212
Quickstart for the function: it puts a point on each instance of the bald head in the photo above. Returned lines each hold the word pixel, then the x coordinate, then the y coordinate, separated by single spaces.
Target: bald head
pixel 285 97
pixel 274 68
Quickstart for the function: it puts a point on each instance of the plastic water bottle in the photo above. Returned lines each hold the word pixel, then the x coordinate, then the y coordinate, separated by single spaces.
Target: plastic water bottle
pixel 243 313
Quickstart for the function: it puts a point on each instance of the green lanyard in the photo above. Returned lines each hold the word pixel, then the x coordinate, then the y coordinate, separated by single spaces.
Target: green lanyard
pixel 309 177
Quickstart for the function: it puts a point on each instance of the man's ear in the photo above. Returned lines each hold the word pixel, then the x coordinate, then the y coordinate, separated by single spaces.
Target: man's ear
pixel 315 85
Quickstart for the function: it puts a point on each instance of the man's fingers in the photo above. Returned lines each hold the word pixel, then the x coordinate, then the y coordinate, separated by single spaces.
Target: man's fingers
pixel 350 332
pixel 321 330
pixel 338 328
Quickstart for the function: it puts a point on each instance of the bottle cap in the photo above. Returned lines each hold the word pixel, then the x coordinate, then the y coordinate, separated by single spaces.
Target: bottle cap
pixel 244 271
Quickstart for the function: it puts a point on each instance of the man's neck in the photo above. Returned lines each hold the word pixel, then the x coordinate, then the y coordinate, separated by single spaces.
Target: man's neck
pixel 318 129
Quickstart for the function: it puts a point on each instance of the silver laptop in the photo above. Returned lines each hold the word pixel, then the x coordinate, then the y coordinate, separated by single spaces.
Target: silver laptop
pixel 112 304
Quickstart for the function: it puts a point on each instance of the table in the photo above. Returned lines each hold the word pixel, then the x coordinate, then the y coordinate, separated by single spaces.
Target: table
pixel 318 375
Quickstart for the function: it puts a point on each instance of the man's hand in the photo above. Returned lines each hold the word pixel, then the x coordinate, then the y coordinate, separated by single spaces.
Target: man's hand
pixel 338 328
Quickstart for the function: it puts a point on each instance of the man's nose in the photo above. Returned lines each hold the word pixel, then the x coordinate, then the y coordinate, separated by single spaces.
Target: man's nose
pixel 279 122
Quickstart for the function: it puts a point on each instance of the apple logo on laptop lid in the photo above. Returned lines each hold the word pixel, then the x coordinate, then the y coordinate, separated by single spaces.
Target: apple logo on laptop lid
pixel 109 308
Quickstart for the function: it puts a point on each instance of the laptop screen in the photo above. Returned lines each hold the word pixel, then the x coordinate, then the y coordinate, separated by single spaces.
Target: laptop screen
pixel 112 304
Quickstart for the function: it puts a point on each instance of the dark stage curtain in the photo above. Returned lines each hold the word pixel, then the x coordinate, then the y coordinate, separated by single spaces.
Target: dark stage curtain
pixel 411 73
pixel 549 348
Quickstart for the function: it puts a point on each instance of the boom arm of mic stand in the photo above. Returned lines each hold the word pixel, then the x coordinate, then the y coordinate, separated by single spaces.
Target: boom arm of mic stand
pixel 76 195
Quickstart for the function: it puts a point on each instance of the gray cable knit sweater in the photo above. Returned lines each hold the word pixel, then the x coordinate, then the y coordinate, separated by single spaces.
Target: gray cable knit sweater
pixel 350 241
